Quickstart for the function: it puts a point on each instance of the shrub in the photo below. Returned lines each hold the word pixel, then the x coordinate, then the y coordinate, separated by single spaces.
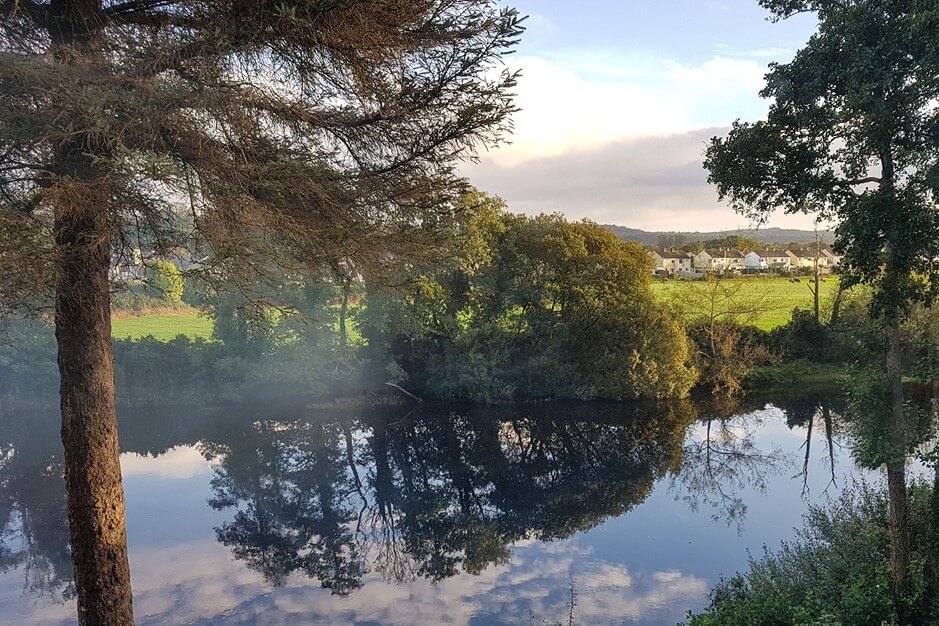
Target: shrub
pixel 163 277
pixel 836 572
pixel 803 338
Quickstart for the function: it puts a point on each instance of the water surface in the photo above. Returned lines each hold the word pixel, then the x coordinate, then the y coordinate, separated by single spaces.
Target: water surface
pixel 454 515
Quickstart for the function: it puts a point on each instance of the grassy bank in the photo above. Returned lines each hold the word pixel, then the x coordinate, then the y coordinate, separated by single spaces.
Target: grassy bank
pixel 797 373
pixel 780 296
pixel 163 326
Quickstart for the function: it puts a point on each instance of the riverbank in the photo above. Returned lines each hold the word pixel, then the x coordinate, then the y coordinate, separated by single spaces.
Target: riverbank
pixel 797 373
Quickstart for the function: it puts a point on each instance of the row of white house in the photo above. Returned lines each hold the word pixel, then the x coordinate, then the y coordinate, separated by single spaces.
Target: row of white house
pixel 677 261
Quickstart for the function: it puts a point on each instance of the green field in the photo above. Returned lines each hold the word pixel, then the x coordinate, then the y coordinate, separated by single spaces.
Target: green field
pixel 779 295
pixel 163 326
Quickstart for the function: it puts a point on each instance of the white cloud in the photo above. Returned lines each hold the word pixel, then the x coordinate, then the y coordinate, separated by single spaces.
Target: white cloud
pixel 179 462
pixel 587 99
pixel 199 582
pixel 656 183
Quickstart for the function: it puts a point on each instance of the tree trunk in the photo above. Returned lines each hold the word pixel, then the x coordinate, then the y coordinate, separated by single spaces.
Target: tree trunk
pixel 836 307
pixel 896 473
pixel 89 417
pixel 818 313
pixel 343 312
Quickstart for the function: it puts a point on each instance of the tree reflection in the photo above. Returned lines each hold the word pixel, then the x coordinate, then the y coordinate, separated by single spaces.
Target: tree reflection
pixel 34 534
pixel 722 460
pixel 813 412
pixel 434 494
pixel 430 494
pixel 289 485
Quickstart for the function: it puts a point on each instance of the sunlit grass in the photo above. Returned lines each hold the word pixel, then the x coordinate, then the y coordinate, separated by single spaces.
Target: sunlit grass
pixel 164 326
pixel 780 296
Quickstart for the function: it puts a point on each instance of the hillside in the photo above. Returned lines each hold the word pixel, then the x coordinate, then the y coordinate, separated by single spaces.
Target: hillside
pixel 766 235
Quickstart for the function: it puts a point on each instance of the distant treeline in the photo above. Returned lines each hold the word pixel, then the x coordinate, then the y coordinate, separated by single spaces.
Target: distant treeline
pixel 768 237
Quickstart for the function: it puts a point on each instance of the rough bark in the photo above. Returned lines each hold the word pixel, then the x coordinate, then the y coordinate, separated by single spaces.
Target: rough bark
pixel 80 194
pixel 89 418
pixel 817 293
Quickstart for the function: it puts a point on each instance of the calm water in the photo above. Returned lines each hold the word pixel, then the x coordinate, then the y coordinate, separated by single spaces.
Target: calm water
pixel 442 515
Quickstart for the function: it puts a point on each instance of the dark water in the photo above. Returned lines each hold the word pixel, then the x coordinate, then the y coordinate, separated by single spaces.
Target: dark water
pixel 442 515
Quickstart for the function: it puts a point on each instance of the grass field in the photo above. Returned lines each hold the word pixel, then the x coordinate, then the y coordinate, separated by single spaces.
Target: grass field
pixel 163 326
pixel 780 296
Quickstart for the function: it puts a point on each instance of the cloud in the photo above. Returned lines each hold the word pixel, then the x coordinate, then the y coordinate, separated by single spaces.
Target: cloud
pixel 199 582
pixel 179 462
pixel 620 137
pixel 589 98
pixel 655 183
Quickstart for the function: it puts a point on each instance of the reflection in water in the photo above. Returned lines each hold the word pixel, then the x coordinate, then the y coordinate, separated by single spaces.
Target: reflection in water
pixel 429 495
pixel 34 534
pixel 721 460
pixel 433 495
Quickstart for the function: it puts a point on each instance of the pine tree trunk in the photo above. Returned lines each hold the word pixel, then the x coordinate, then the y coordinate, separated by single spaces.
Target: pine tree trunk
pixel 343 313
pixel 89 417
pixel 896 473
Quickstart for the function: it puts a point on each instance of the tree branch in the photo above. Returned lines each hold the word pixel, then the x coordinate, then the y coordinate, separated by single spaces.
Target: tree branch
pixel 33 10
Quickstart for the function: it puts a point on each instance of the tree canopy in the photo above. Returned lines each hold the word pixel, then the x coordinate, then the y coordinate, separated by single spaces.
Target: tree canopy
pixel 852 134
pixel 292 133
pixel 535 307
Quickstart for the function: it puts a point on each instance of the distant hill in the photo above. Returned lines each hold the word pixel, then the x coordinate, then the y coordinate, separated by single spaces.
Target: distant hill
pixel 765 235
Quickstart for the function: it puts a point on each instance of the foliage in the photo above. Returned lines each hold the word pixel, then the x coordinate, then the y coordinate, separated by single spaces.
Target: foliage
pixel 836 572
pixel 869 399
pixel 860 95
pixel 857 338
pixel 803 338
pixel 163 277
pixel 263 136
pixel 797 374
pixel 27 360
pixel 529 307
pixel 720 324
pixel 137 300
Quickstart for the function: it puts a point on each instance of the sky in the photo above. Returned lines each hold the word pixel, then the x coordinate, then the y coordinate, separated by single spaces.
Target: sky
pixel 618 99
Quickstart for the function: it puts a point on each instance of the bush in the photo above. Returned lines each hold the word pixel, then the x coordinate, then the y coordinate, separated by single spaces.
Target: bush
pixel 163 277
pixel 135 299
pixel 836 572
pixel 803 338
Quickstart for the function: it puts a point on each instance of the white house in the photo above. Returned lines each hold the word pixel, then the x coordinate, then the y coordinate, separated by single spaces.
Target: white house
pixel 718 260
pixel 832 260
pixel 126 265
pixel 805 259
pixel 672 261
pixel 768 260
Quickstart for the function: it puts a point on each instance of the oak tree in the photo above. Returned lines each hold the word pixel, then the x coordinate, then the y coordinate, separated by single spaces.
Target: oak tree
pixel 852 135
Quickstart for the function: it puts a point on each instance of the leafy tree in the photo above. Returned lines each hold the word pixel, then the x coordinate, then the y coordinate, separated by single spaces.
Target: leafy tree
pixel 259 134
pixel 166 279
pixel 720 318
pixel 852 135
pixel 671 240
pixel 533 307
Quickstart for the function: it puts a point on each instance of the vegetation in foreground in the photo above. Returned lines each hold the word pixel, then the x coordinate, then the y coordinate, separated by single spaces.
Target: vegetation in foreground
pixel 837 570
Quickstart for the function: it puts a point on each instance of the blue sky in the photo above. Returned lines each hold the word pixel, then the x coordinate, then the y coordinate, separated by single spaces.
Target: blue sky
pixel 618 100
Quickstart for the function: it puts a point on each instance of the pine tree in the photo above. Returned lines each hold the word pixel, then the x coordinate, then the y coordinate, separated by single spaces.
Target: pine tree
pixel 261 134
